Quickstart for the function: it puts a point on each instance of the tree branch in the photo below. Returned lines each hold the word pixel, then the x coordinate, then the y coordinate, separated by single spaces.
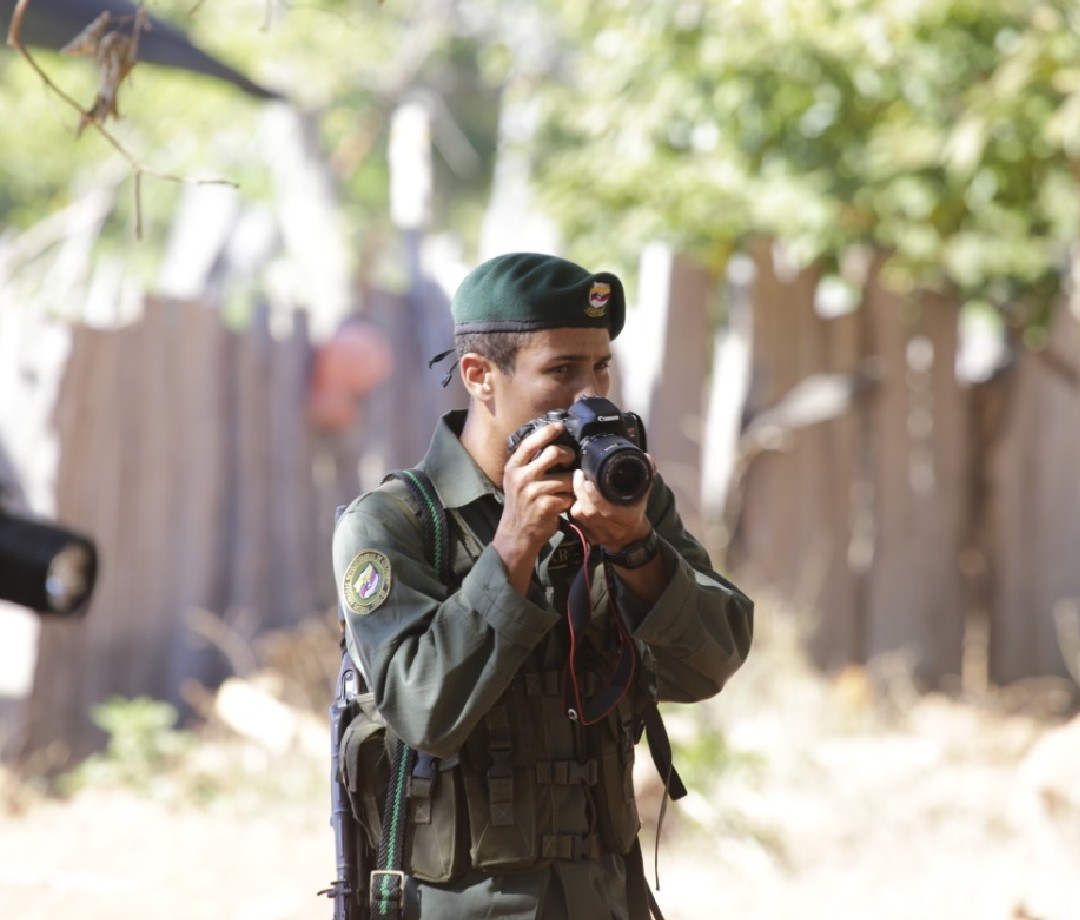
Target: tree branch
pixel 93 118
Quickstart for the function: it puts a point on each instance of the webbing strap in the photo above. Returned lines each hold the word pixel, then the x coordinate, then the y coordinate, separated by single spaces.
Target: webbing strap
pixel 567 772
pixel 387 894
pixel 501 772
pixel 635 878
pixel 570 846
pixel 422 779
pixel 660 750
pixel 388 880
pixel 432 518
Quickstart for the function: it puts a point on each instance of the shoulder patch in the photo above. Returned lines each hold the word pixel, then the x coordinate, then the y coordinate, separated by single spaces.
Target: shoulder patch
pixel 367 581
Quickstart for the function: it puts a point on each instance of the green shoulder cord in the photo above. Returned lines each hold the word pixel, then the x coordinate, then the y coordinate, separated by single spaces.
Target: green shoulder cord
pixel 388 878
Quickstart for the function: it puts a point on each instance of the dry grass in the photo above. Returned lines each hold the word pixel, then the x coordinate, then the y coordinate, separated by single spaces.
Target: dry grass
pixel 816 798
pixel 854 796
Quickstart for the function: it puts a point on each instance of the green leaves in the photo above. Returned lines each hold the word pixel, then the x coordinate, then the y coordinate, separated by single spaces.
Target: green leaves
pixel 942 130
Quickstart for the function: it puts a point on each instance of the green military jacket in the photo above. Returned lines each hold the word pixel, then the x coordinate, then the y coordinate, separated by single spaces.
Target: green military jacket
pixel 452 666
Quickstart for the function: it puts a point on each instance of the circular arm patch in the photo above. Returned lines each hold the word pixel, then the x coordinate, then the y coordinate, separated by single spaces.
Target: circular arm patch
pixel 367 581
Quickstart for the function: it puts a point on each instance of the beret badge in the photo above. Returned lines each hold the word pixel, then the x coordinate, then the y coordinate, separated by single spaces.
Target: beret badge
pixel 599 295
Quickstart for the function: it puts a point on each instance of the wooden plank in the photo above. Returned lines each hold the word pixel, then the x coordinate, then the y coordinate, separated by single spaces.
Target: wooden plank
pixel 107 645
pixel 943 526
pixel 403 412
pixel 71 655
pixel 289 477
pixel 728 383
pixel 808 540
pixel 52 721
pixel 675 410
pixel 336 474
pixel 837 638
pixel 1036 515
pixel 777 525
pixel 915 605
pixel 199 548
pixel 145 402
pixel 248 481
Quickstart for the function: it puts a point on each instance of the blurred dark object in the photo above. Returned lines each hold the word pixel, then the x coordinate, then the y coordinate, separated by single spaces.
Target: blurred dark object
pixel 51 24
pixel 45 567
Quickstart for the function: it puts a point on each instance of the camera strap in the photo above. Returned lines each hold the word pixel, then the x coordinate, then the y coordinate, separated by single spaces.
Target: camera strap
pixel 579 612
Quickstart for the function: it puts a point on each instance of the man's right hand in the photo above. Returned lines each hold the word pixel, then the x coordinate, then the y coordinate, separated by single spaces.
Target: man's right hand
pixel 533 499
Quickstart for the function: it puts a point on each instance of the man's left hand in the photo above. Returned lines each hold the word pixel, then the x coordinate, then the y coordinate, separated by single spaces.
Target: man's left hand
pixel 605 523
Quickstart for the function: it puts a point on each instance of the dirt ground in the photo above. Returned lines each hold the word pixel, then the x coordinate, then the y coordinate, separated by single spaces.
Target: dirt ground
pixel 827 799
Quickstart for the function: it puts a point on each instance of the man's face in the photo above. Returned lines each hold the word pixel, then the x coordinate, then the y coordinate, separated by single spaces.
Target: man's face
pixel 554 369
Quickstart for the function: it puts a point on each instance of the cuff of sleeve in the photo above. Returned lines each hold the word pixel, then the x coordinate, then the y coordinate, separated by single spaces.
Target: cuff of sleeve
pixel 666 619
pixel 487 590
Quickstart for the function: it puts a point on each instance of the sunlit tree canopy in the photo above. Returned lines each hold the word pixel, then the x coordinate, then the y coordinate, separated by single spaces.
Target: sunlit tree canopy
pixel 944 131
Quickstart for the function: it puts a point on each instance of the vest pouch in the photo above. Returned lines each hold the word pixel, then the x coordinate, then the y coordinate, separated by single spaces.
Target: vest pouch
pixel 364 761
pixel 616 804
pixel 437 835
pixel 500 788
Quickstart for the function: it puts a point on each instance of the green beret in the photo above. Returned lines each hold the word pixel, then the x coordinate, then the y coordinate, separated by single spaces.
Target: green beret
pixel 522 291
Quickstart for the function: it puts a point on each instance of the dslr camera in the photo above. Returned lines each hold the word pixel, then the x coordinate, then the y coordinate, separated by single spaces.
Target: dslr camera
pixel 608 445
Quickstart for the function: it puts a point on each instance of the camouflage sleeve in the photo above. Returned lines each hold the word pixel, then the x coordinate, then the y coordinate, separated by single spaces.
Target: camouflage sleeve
pixel 436 662
pixel 700 628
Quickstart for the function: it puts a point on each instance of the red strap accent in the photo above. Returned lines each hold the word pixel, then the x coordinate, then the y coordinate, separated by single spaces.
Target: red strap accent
pixel 579 612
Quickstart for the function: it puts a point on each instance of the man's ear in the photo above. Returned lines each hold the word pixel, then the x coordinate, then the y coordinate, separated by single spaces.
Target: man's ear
pixel 476 374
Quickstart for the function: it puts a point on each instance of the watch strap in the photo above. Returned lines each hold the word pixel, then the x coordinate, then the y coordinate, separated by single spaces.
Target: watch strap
pixel 635 555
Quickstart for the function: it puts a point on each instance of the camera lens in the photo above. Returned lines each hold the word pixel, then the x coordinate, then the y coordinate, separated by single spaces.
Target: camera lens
pixel 69 578
pixel 618 467
pixel 624 477
pixel 44 567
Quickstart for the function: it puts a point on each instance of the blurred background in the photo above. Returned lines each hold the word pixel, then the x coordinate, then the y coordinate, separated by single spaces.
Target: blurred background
pixel 848 232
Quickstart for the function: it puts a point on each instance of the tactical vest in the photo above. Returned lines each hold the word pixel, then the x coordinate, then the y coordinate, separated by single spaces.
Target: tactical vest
pixel 495 805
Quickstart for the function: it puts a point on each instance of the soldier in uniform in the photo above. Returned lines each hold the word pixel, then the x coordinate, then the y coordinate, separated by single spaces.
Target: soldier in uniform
pixel 533 814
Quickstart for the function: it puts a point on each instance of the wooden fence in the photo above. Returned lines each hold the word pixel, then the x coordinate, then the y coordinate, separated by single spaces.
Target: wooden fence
pixel 184 449
pixel 903 512
pixel 925 518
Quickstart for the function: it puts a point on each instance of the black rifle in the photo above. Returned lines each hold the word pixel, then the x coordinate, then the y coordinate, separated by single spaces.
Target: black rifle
pixel 347 906
pixel 347 891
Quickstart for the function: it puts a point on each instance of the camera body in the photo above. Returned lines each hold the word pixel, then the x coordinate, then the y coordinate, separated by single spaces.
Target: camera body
pixel 609 445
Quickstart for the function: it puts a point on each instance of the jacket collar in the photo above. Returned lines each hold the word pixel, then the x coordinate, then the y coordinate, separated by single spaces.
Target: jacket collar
pixel 456 477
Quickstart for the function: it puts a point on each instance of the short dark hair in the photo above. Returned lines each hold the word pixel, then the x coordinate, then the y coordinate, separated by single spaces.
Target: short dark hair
pixel 500 348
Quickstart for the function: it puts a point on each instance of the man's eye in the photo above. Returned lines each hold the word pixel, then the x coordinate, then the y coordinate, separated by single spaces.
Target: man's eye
pixel 559 371
pixel 604 366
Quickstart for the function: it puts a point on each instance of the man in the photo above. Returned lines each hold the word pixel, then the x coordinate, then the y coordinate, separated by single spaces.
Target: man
pixel 533 711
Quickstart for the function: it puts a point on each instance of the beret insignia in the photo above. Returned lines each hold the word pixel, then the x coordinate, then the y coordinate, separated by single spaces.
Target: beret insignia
pixel 367 581
pixel 599 295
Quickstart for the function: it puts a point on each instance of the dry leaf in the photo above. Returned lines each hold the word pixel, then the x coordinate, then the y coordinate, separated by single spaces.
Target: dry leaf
pixel 87 41
pixel 116 52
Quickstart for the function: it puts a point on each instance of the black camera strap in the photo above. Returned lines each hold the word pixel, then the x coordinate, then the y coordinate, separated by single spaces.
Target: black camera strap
pixel 578 617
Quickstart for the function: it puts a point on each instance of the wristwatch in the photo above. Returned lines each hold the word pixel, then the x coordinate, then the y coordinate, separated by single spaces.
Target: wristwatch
pixel 635 555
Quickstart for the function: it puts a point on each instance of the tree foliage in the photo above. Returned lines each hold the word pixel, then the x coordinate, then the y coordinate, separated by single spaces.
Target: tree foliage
pixel 943 131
